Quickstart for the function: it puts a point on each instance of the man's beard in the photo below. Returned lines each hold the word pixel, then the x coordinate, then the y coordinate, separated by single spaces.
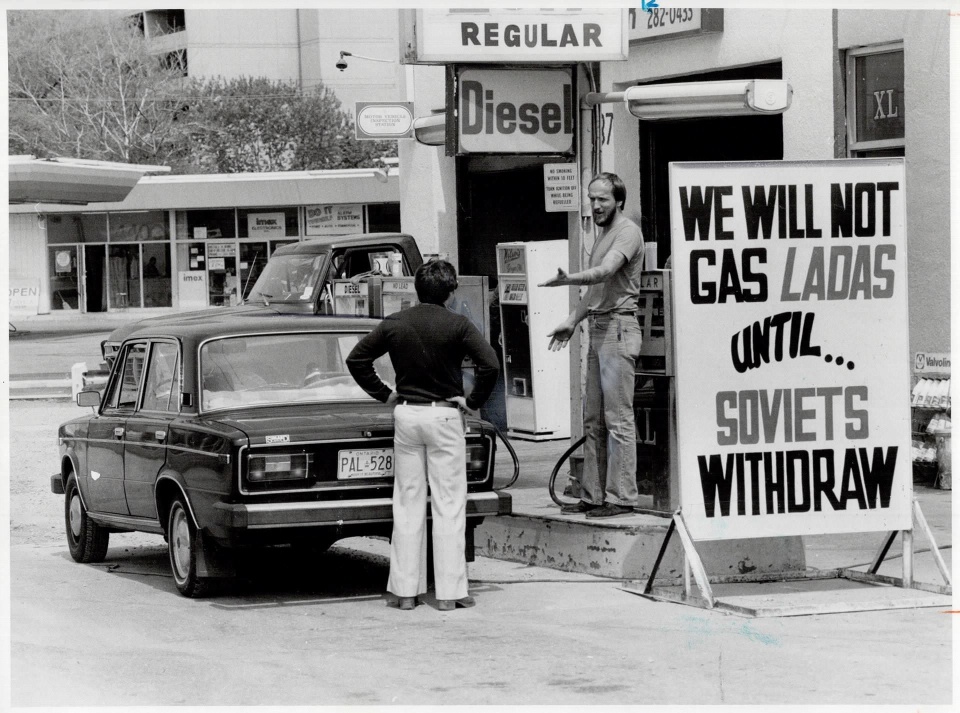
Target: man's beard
pixel 605 220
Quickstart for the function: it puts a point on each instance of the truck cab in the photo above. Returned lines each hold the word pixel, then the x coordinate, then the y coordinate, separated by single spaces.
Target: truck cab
pixel 296 278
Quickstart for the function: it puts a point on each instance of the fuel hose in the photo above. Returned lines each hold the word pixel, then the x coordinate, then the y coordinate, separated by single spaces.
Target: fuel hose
pixel 556 469
pixel 513 454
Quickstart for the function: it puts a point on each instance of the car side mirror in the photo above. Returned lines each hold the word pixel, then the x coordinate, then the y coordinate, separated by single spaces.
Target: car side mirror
pixel 89 398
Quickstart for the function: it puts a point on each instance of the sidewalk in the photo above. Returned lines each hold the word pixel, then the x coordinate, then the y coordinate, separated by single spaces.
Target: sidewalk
pixel 537 533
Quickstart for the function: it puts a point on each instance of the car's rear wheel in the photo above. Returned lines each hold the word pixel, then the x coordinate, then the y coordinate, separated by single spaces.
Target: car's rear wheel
pixel 87 541
pixel 183 541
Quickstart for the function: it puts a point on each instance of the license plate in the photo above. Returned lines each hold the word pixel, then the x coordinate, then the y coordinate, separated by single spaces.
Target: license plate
pixel 367 463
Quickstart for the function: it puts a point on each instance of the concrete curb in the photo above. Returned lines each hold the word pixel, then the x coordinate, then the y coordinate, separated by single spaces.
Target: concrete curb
pixel 626 549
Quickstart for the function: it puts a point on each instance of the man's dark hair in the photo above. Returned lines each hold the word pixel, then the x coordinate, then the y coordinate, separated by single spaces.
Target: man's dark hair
pixel 617 187
pixel 435 281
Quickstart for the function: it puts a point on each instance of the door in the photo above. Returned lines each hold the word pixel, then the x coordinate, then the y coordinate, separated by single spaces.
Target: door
pixel 146 429
pixel 500 199
pixel 253 256
pixel 65 283
pixel 107 432
pixel 95 278
pixel 222 281
pixel 726 138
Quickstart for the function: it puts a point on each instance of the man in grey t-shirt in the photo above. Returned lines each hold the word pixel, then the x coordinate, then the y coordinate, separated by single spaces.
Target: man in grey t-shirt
pixel 609 485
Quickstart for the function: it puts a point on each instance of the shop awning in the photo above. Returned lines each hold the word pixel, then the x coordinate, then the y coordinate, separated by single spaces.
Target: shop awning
pixel 73 181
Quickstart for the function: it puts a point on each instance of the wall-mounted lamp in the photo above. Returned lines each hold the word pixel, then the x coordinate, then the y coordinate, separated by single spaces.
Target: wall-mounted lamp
pixel 342 63
pixel 431 130
pixel 690 100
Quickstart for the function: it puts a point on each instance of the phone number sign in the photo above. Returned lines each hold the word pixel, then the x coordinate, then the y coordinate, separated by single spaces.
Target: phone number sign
pixel 659 22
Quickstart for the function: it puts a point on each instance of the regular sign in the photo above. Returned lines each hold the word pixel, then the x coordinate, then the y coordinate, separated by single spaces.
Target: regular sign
pixel 515 35
pixel 793 362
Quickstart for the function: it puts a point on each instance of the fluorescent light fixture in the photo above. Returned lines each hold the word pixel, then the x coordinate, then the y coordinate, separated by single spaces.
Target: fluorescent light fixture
pixel 431 130
pixel 690 100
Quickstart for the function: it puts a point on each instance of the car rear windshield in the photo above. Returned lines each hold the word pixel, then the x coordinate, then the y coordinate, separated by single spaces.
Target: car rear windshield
pixel 287 278
pixel 278 369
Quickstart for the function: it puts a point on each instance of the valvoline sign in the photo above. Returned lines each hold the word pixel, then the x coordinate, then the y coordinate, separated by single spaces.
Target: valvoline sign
pixel 515 111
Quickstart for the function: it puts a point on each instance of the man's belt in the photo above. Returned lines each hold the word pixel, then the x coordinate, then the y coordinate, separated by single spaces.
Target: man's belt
pixel 410 402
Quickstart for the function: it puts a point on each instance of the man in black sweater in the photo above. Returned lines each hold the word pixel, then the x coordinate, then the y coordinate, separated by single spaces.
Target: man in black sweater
pixel 427 344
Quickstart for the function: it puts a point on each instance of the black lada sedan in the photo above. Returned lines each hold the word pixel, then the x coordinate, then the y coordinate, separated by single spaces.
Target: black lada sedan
pixel 240 431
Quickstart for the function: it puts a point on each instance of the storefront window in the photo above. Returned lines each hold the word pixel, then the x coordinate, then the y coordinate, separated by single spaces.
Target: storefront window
pixel 876 111
pixel 156 275
pixel 140 226
pixel 205 224
pixel 267 222
pixel 76 228
pixel 383 218
pixel 124 271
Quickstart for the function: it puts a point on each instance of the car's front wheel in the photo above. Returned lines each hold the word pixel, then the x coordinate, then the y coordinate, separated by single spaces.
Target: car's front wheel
pixel 87 541
pixel 183 541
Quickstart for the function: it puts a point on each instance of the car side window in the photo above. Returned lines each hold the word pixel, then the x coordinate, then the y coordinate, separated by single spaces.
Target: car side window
pixel 162 389
pixel 125 388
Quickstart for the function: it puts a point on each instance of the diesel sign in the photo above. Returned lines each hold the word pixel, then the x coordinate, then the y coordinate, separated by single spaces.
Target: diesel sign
pixel 515 111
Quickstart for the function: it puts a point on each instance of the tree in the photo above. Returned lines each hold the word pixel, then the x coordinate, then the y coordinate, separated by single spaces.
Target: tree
pixel 259 124
pixel 83 84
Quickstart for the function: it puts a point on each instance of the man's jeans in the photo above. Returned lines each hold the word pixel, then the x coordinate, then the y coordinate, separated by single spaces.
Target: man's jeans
pixel 610 449
pixel 428 447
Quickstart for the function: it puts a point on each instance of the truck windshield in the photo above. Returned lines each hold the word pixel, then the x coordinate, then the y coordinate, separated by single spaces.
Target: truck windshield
pixel 287 278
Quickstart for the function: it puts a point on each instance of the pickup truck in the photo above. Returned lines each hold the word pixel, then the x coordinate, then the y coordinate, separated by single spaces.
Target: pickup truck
pixel 296 279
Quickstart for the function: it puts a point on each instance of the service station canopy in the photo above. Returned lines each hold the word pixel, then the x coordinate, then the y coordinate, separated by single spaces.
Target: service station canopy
pixel 73 181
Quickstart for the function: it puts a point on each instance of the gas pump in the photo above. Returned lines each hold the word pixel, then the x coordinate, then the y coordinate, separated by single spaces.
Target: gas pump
pixel 654 396
pixel 537 379
pixel 392 294
pixel 351 298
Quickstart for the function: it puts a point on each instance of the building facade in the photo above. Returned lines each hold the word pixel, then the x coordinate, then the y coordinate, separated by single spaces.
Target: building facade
pixel 865 83
pixel 294 45
pixel 184 242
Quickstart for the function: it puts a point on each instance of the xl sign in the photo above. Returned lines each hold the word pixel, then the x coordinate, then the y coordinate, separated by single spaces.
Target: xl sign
pixel 515 111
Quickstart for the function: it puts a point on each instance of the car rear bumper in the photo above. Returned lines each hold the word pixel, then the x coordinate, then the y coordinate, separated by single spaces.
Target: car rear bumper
pixel 265 516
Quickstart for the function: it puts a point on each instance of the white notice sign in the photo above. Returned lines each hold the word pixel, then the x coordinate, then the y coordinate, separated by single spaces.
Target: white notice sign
pixel 192 289
pixel 334 219
pixel 560 187
pixel 793 361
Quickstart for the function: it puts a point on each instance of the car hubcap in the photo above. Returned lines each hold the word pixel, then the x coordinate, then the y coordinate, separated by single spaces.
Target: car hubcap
pixel 180 534
pixel 75 515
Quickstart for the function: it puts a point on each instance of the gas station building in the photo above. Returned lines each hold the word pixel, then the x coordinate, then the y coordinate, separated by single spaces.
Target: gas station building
pixel 865 83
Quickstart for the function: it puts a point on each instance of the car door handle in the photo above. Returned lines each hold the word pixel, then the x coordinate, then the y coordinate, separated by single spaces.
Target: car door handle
pixel 118 432
pixel 159 435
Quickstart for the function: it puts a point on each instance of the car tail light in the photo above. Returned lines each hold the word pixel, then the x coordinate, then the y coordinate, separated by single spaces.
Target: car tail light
pixel 279 466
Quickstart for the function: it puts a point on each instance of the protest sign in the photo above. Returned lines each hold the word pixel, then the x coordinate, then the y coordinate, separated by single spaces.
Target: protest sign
pixel 792 352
